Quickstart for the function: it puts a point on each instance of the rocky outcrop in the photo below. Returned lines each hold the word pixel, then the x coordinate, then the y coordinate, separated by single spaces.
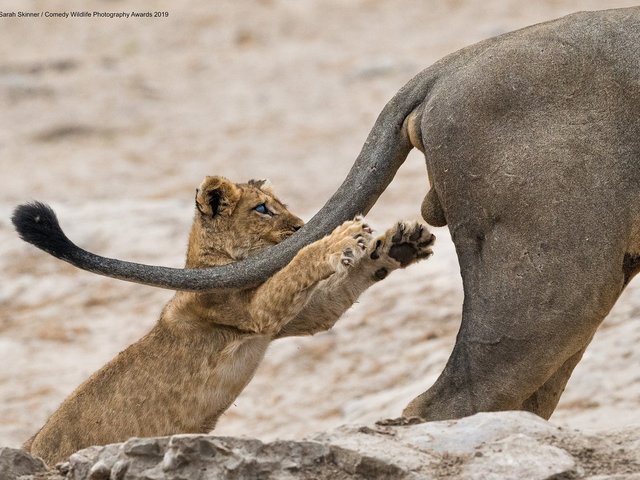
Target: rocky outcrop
pixel 508 445
pixel 18 464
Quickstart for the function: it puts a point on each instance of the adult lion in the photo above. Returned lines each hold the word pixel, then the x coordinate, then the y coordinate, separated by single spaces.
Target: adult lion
pixel 532 144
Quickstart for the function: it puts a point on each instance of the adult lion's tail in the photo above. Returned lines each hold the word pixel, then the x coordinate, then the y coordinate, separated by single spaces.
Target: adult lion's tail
pixel 385 149
pixel 38 224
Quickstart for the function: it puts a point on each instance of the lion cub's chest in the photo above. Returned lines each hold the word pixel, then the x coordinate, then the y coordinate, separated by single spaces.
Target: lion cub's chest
pixel 233 367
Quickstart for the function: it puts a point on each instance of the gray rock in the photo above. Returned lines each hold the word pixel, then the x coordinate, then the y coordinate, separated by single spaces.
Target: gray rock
pixel 487 446
pixel 16 463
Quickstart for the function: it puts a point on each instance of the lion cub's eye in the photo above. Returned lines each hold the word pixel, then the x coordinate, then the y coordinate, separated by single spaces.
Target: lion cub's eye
pixel 262 208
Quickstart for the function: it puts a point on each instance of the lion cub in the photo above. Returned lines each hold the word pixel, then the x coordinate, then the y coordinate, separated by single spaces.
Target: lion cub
pixel 204 349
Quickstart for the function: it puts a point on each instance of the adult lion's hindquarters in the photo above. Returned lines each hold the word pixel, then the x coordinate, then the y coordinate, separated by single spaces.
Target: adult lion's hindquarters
pixel 533 143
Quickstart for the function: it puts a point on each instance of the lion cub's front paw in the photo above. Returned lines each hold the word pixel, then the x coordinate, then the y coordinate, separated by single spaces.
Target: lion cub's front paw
pixel 347 244
pixel 406 243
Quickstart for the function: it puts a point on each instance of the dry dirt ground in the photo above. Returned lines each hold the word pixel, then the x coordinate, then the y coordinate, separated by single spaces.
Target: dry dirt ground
pixel 114 122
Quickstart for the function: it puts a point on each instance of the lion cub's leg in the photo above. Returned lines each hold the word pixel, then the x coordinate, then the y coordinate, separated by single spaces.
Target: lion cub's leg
pixel 282 297
pixel 400 246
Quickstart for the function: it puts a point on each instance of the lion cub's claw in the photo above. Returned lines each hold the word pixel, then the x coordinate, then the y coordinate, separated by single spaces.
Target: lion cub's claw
pixel 348 243
pixel 348 257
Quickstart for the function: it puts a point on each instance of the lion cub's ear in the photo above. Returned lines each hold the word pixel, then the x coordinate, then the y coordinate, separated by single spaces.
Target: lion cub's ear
pixel 217 196
pixel 265 185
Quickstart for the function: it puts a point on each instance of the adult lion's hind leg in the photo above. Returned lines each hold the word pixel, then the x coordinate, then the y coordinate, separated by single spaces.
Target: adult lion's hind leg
pixel 544 400
pixel 528 315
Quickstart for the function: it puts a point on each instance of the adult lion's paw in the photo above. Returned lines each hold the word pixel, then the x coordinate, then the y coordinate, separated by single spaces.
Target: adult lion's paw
pixel 405 243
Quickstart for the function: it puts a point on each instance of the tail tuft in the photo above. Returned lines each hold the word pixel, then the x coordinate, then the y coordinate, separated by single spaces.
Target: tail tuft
pixel 37 224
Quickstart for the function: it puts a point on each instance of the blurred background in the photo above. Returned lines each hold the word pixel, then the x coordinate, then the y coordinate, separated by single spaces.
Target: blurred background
pixel 114 122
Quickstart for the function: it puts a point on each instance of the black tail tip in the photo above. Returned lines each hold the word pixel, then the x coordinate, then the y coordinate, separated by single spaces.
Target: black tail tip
pixel 37 223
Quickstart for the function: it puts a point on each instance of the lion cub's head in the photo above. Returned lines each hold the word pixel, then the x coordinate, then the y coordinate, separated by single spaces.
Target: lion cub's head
pixel 234 220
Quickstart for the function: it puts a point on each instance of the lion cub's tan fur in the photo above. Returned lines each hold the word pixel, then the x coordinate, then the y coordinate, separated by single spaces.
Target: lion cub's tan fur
pixel 205 348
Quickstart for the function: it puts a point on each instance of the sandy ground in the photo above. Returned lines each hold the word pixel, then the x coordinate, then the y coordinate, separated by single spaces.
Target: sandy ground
pixel 114 122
